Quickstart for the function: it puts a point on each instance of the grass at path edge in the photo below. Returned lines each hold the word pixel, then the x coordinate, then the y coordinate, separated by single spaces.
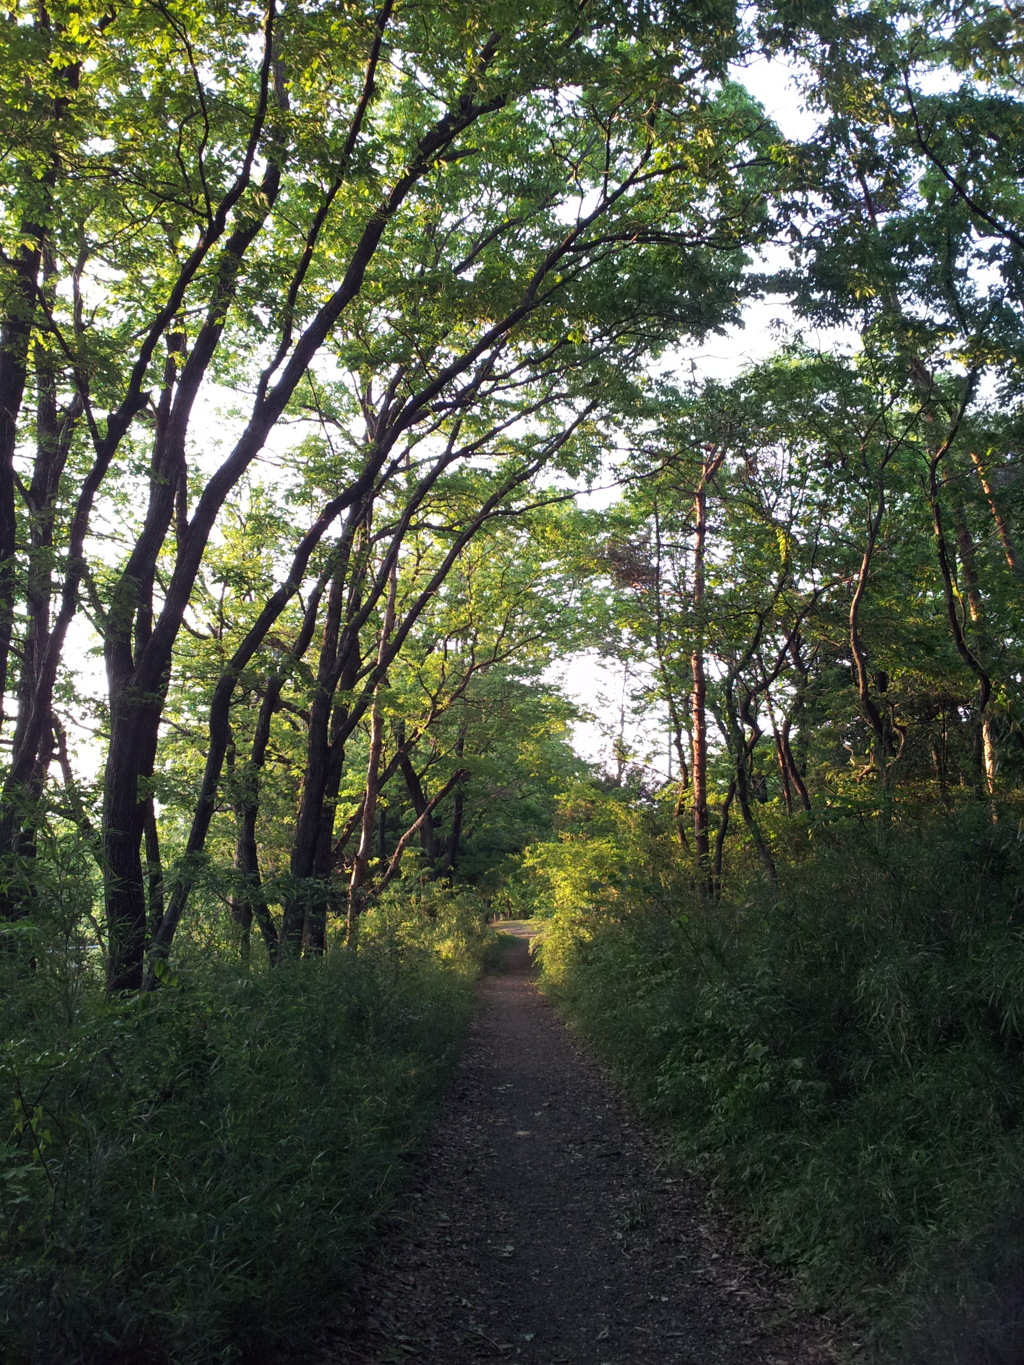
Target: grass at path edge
pixel 843 1056
pixel 192 1178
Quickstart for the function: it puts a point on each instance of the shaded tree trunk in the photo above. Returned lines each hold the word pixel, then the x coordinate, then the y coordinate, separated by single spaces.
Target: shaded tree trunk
pixel 453 842
pixel 881 747
pixel 950 595
pixel 424 808
pixel 425 815
pixel 361 862
pixel 698 693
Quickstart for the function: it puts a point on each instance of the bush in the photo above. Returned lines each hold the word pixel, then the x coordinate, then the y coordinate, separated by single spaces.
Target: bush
pixel 845 1053
pixel 190 1176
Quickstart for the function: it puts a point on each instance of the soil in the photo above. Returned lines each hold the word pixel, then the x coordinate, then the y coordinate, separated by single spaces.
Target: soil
pixel 548 1228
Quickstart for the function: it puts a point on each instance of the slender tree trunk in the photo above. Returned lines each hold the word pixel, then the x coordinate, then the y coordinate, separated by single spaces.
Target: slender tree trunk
pixel 425 815
pixel 698 693
pixel 30 286
pixel 956 625
pixel 1002 526
pixel 792 717
pixel 791 777
pixel 795 776
pixel 323 899
pixel 338 664
pixel 780 759
pixel 248 902
pixel 453 843
pixel 14 352
pixel 881 748
pixel 135 712
pixel 361 862
pixel 677 744
pixel 742 747
pixel 800 747
pixel 976 610
pixel 720 837
pixel 154 871
pixel 699 769
pixel 32 741
pixel 424 824
pixel 679 747
pixel 135 724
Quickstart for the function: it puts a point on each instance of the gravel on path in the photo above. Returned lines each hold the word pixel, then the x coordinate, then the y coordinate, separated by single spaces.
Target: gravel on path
pixel 547 1228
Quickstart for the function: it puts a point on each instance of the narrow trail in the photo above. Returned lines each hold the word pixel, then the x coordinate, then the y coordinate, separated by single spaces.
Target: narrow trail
pixel 548 1231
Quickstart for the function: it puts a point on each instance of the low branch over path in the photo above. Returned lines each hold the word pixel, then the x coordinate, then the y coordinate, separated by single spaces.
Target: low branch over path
pixel 548 1230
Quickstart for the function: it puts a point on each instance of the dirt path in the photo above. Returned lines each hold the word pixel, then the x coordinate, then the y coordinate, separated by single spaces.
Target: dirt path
pixel 548 1232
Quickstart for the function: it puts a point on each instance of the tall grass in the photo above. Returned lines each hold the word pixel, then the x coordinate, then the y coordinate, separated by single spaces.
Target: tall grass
pixel 844 1054
pixel 190 1176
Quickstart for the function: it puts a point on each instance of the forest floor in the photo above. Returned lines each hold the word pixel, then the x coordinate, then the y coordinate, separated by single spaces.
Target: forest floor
pixel 548 1229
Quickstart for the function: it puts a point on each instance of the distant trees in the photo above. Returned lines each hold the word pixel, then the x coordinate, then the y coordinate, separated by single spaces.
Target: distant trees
pixel 812 562
pixel 815 554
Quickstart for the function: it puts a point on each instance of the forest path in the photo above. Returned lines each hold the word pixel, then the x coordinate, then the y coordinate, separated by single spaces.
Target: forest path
pixel 547 1230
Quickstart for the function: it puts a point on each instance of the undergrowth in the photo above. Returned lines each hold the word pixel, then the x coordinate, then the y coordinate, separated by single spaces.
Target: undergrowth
pixel 189 1176
pixel 844 1054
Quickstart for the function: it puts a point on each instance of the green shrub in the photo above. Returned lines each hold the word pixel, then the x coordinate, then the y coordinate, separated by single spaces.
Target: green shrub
pixel 845 1053
pixel 190 1176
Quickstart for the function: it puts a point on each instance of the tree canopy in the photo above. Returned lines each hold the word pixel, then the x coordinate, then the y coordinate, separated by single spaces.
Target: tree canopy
pixel 313 319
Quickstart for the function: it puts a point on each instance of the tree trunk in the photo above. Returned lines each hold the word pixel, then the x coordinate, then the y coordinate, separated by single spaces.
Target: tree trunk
pixel 881 748
pixel 31 285
pixel 337 666
pixel 742 748
pixel 453 843
pixel 963 648
pixel 698 694
pixel 1002 526
pixel 154 872
pixel 424 825
pixel 699 772
pixel 720 837
pixel 135 722
pixel 976 610
pixel 425 815
pixel 361 862
pixel 248 902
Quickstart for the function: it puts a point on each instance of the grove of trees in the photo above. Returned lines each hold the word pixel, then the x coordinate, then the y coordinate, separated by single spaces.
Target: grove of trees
pixel 316 318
